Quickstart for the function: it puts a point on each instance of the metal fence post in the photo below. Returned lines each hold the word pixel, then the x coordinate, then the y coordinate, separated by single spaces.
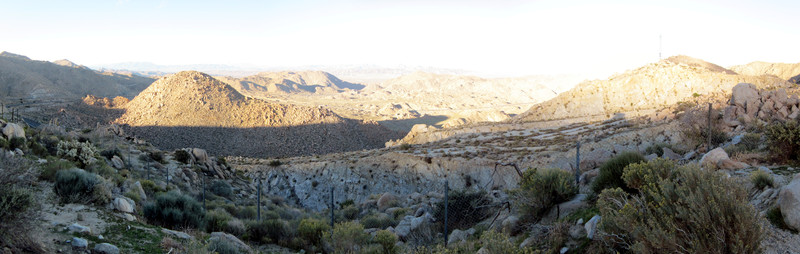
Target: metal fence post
pixel 332 208
pixel 204 191
pixel 259 199
pixel 709 126
pixel 446 214
pixel 578 164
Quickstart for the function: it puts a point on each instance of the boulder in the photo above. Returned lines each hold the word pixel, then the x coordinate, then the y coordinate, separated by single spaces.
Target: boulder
pixel 409 224
pixel 591 226
pixel 78 228
pixel 177 234
pixel 669 154
pixel 577 231
pixel 789 203
pixel 137 187
pixel 729 164
pixel 745 94
pixel 511 225
pixel 561 211
pixel 79 243
pixel 386 200
pixel 651 156
pixel 13 130
pixel 230 240
pixel 200 155
pixel 105 248
pixel 711 159
pixel 123 205
pixel 117 163
pixel 460 236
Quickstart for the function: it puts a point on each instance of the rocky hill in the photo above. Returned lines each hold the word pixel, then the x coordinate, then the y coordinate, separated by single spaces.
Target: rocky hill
pixel 21 77
pixel 652 86
pixel 286 82
pixel 790 72
pixel 192 109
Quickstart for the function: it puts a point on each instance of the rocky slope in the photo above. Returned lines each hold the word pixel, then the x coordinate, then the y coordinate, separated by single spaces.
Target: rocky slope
pixel 192 109
pixel 21 77
pixel 652 86
pixel 290 82
pixel 790 72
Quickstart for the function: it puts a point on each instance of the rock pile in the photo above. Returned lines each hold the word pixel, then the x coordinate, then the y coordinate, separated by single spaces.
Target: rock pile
pixel 748 104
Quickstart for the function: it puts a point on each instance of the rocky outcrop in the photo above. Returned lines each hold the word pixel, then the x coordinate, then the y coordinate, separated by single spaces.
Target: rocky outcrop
pixel 786 71
pixel 749 104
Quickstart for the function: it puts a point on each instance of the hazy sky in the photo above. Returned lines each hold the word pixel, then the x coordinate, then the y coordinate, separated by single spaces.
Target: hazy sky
pixel 495 37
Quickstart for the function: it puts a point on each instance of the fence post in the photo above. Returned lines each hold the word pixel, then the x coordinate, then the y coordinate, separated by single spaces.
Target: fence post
pixel 709 127
pixel 259 199
pixel 204 191
pixel 578 164
pixel 332 208
pixel 446 214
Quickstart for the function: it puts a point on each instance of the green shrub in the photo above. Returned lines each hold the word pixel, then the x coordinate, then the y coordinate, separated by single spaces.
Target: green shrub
pixel 83 153
pixel 350 212
pixel 150 188
pixel 235 227
pixel 775 217
pixel 221 246
pixel 311 231
pixel 247 212
pixel 38 149
pixel 182 155
pixel 102 168
pixel 110 153
pixel 133 195
pixel 496 242
pixel 17 142
pixel 387 241
pixel 539 190
pixel 157 156
pixel 658 149
pixel 638 175
pixel 347 237
pixel 611 172
pixel 78 186
pixel 3 142
pixel 688 210
pixel 751 141
pixel 784 140
pixel 464 209
pixel 217 220
pixel 761 179
pixel 275 163
pixel 52 166
pixel 14 202
pixel 221 188
pixel 175 210
pixel 379 220
pixel 275 231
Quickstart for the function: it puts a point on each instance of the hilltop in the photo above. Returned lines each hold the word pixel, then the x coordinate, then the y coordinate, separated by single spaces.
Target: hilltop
pixel 652 86
pixel 192 109
pixel 21 77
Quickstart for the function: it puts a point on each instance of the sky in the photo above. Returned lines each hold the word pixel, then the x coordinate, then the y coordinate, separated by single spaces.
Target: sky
pixel 500 38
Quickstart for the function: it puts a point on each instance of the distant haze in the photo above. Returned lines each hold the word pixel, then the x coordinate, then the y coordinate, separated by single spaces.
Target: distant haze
pixel 489 38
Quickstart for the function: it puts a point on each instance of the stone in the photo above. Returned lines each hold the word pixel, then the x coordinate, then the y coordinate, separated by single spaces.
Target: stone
pixel 178 234
pixel 591 226
pixel 137 187
pixel 117 163
pixel 123 205
pixel 669 154
pixel 409 224
pixel 577 231
pixel 482 250
pixel 588 176
pixel 563 250
pixel 789 203
pixel 561 211
pixel 765 169
pixel 795 112
pixel 200 155
pixel 651 156
pixel 511 225
pixel 744 94
pixel 105 248
pixel 712 158
pixel 78 228
pixel 219 237
pixel 688 156
pixel 460 235
pixel 386 200
pixel 79 243
pixel 729 164
pixel 128 217
pixel 13 130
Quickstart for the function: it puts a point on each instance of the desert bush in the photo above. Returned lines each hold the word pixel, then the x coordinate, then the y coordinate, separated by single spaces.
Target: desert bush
pixel 110 153
pixel 275 163
pixel 182 155
pixel 688 210
pixel 52 166
pixel 784 140
pixel 275 231
pixel 17 142
pixel 38 149
pixel 378 220
pixel 347 237
pixel 465 208
pixel 175 210
pixel 217 220
pixel 78 186
pixel 82 153
pixel 150 188
pixel 311 231
pixel 157 156
pixel 3 143
pixel 638 175
pixel 221 188
pixel 761 179
pixel 247 212
pixel 387 241
pixel 658 149
pixel 539 190
pixel 610 175
pixel 350 212
pixel 236 227
pixel 221 246
pixel 102 168
pixel 496 242
pixel 14 202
